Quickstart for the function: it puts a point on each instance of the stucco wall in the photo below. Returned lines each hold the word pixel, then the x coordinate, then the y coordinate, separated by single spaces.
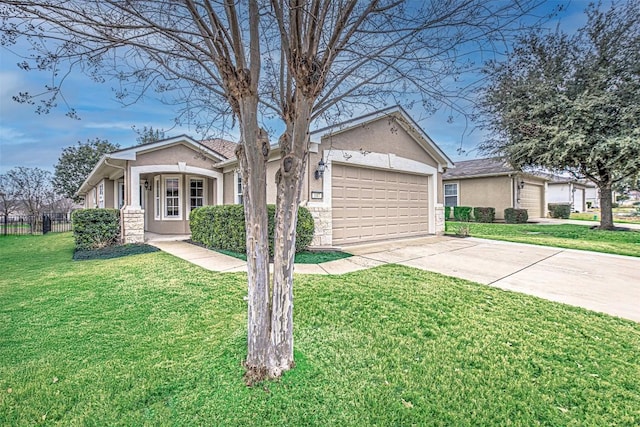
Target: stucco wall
pixel 494 192
pixel 381 136
pixel 172 155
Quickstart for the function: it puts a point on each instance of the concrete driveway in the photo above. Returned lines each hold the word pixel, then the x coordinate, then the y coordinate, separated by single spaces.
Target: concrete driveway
pixel 600 282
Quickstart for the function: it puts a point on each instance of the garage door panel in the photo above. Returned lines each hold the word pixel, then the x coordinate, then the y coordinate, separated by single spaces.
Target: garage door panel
pixel 372 204
pixel 531 199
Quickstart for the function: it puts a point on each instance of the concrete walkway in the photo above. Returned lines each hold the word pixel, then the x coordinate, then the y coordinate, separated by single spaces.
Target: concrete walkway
pixel 600 282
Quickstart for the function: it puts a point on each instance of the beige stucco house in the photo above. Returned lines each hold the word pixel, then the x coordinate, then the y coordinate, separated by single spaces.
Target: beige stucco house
pixel 494 183
pixel 382 180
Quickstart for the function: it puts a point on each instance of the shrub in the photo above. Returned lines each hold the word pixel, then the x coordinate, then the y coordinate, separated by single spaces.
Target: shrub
pixel 447 212
pixel 95 228
pixel 462 213
pixel 560 210
pixel 484 214
pixel 515 216
pixel 223 227
pixel 615 205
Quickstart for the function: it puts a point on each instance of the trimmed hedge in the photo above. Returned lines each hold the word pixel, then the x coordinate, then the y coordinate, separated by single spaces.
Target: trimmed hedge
pixel 515 216
pixel 223 227
pixel 560 210
pixel 484 214
pixel 447 212
pixel 95 228
pixel 462 213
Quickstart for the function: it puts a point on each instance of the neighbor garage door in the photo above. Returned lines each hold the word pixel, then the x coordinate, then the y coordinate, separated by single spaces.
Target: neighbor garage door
pixel 531 199
pixel 373 204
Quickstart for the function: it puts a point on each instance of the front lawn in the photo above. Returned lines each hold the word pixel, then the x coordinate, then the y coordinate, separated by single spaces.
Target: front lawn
pixel 304 257
pixel 561 236
pixel 152 340
pixel 624 218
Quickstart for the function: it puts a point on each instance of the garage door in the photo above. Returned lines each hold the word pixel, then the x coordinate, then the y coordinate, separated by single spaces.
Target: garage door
pixel 531 199
pixel 372 204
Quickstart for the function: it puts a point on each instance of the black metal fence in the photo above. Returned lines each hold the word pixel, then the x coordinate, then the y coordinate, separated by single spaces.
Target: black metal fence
pixel 35 224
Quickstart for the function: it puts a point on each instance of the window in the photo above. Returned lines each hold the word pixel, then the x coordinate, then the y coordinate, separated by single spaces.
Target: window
pixel 156 197
pixel 101 195
pixel 451 194
pixel 196 193
pixel 120 194
pixel 172 198
pixel 239 198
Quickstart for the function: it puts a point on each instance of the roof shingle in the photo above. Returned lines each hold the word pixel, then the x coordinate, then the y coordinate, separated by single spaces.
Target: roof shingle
pixel 479 167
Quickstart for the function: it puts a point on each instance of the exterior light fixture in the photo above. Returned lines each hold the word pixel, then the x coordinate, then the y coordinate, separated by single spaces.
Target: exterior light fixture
pixel 320 170
pixel 521 184
pixel 147 185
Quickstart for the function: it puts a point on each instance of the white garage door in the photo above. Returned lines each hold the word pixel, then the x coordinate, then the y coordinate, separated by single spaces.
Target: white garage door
pixel 531 199
pixel 578 200
pixel 373 204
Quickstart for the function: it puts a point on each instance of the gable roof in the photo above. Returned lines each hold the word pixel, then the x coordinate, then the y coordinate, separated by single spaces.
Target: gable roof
pixel 104 168
pixel 480 167
pixel 402 118
pixel 221 146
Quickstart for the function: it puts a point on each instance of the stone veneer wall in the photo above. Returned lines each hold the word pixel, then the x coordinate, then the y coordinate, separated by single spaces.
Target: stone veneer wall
pixel 323 233
pixel 439 212
pixel 132 223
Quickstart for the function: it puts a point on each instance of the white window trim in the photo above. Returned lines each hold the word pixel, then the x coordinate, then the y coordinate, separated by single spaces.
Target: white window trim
pixel 101 195
pixel 157 198
pixel 204 191
pixel 237 179
pixel 444 193
pixel 164 198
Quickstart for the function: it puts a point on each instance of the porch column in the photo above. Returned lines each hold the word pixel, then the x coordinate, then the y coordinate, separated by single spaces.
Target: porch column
pixel 132 225
pixel 132 214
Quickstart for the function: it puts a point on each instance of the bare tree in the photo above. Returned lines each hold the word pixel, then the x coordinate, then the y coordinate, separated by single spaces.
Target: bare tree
pixel 295 59
pixel 8 196
pixel 32 189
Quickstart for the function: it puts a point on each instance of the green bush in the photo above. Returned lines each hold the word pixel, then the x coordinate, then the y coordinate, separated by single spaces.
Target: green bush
pixel 462 213
pixel 447 212
pixel 95 228
pixel 223 227
pixel 484 214
pixel 515 216
pixel 560 210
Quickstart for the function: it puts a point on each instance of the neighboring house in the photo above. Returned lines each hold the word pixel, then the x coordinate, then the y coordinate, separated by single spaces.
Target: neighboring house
pixel 493 182
pixel 382 179
pixel 567 190
pixel 591 195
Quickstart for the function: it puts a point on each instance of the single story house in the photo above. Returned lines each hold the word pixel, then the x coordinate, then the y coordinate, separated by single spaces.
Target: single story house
pixel 567 190
pixel 493 182
pixel 382 179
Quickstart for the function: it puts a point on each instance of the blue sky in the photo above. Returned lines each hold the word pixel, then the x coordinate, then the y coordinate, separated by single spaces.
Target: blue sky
pixel 32 140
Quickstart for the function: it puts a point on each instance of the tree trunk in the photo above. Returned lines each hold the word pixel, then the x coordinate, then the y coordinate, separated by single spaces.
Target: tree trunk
pixel 606 210
pixel 253 156
pixel 294 144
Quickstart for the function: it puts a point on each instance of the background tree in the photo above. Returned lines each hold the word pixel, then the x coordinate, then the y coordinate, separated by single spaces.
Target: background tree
pixel 8 196
pixel 304 60
pixel 33 189
pixel 147 135
pixel 76 163
pixel 572 102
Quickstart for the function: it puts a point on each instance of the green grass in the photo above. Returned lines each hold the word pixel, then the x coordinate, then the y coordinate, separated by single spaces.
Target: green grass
pixel 595 216
pixel 561 236
pixel 304 257
pixel 153 340
pixel 115 251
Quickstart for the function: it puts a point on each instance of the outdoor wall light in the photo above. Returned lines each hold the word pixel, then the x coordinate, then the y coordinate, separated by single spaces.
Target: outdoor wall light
pixel 320 169
pixel 147 185
pixel 521 185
